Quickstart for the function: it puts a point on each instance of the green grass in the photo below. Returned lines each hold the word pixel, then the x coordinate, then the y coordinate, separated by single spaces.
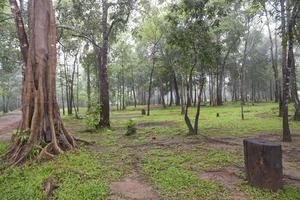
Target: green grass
pixel 259 118
pixel 26 182
pixel 174 181
pixel 287 193
pixel 3 146
pixel 83 175
pixel 173 171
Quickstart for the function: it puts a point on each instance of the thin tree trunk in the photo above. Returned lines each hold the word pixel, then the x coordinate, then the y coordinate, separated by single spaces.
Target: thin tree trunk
pixel 182 96
pixel 171 94
pixel 77 88
pixel 88 87
pixel 62 93
pixel 221 79
pixel 242 73
pixel 133 88
pixel 177 99
pixel 150 86
pixel 273 58
pixel 123 89
pixel 196 123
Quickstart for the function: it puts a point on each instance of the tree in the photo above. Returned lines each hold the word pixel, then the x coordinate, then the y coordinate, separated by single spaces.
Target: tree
pixel 192 37
pixel 113 17
pixel 150 34
pixel 287 24
pixel 41 126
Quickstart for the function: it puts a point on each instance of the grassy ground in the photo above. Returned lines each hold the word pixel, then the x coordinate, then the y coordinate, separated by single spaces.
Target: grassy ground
pixel 175 165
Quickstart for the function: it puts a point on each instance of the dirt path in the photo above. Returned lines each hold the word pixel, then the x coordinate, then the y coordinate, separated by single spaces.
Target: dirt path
pixel 8 123
pixel 132 187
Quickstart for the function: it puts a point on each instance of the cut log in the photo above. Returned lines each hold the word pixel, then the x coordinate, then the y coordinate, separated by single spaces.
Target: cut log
pixel 263 164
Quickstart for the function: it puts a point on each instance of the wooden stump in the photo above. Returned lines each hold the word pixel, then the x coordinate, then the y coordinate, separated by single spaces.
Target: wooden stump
pixel 143 112
pixel 263 164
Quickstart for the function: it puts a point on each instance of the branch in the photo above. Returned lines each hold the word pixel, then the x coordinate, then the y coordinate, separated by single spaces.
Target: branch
pixel 79 33
pixel 116 21
pixel 6 19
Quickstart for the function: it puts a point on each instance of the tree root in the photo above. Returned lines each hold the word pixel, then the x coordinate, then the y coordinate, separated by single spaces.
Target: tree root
pixel 48 186
pixel 19 151
pixel 85 142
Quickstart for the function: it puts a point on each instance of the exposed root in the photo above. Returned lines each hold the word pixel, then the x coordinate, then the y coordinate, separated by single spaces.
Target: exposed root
pixel 85 142
pixel 17 153
pixel 45 153
pixel 20 150
pixel 48 186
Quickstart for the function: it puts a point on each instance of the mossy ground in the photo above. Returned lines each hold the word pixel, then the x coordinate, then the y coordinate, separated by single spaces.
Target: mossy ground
pixel 165 156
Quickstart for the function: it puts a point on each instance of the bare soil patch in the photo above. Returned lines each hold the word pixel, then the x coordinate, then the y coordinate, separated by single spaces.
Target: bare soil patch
pixel 132 187
pixel 7 124
pixel 264 115
pixel 228 178
pixel 150 124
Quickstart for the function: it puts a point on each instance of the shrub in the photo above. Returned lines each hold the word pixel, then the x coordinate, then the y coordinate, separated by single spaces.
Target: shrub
pixel 131 127
pixel 93 115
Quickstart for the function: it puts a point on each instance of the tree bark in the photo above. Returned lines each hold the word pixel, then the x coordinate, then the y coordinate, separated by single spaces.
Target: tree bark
pixel 263 163
pixel 291 59
pixel 41 123
pixel 285 74
pixel 103 77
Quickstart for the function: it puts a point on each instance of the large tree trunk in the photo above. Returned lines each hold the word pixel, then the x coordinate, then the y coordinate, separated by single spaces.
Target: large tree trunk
pixel 286 76
pixel 103 77
pixel 41 123
pixel 291 61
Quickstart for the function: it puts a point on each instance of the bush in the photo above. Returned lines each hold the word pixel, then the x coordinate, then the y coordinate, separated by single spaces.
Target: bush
pixel 93 115
pixel 131 127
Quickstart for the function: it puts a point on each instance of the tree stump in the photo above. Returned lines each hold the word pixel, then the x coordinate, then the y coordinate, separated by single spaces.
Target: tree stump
pixel 143 112
pixel 263 164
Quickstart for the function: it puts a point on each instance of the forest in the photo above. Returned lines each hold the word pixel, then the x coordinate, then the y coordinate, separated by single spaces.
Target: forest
pixel 150 99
